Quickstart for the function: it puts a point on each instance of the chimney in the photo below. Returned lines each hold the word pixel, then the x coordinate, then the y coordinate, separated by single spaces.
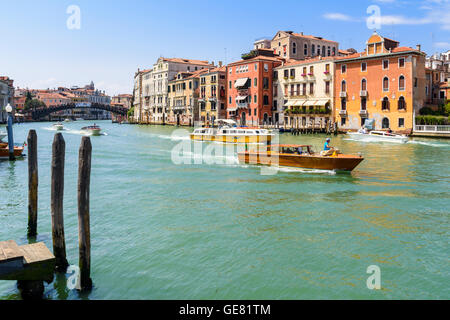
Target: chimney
pixel 220 63
pixel 418 47
pixel 212 62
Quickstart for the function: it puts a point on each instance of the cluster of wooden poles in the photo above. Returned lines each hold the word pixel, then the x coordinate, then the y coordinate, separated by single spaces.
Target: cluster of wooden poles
pixel 57 194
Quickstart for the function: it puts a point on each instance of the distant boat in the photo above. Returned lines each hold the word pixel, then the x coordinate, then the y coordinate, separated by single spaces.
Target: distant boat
pixel 58 126
pixel 378 135
pixel 92 130
pixel 67 120
pixel 79 119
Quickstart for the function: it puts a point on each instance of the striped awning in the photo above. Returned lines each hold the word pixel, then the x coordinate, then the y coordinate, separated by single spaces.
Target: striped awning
pixel 322 102
pixel 295 103
pixel 240 82
pixel 310 103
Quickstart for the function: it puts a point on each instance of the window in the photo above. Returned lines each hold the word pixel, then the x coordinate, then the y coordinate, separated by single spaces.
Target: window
pixel 343 120
pixel 343 104
pixel 254 112
pixel 401 122
pixel 311 88
pixel 415 82
pixel 304 71
pixel 255 100
pixel 231 70
pixel 286 73
pixel 266 67
pixel 401 83
pixel 385 64
pixel 385 123
pixel 311 70
pixel 363 67
pixel 386 84
pixel 401 62
pixel 275 75
pixel 294 48
pixel 266 100
pixel 255 82
pixel 363 84
pixel 363 104
pixel 385 104
pixel 401 103
pixel 292 73
pixel 304 89
pixel 329 51
pixel 305 51
pixel 230 102
pixel 344 68
pixel 313 50
pixel 327 87
pixel 343 86
pixel 292 89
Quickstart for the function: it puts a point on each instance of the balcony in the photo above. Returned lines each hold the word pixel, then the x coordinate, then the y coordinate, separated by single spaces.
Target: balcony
pixel 343 94
pixel 242 105
pixel 363 93
pixel 363 113
pixel 343 113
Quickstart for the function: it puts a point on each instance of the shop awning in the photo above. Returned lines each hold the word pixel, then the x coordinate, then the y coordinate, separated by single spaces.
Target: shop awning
pixel 310 103
pixel 240 82
pixel 299 103
pixel 322 103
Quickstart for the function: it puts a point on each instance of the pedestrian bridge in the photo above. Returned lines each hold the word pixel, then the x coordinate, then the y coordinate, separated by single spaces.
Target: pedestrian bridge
pixel 43 112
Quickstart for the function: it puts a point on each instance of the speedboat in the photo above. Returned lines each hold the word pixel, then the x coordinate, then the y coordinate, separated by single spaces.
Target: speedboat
pixel 4 151
pixel 92 130
pixel 58 126
pixel 67 120
pixel 229 133
pixel 301 156
pixel 79 119
pixel 379 135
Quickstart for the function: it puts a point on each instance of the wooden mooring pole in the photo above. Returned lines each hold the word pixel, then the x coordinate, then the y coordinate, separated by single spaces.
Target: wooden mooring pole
pixel 32 183
pixel 84 231
pixel 57 194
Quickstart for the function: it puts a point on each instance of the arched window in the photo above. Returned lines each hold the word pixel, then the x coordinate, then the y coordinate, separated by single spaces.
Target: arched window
pixel 385 84
pixel 343 104
pixel 385 104
pixel 401 103
pixel 294 48
pixel 401 83
pixel 385 123
pixel 323 51
pixel 343 86
pixel 313 50
pixel 363 84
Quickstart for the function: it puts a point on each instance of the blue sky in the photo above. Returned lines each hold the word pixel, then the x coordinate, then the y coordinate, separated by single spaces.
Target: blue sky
pixel 116 37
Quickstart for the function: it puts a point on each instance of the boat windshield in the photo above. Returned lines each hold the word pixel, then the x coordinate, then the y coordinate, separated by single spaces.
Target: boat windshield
pixel 299 150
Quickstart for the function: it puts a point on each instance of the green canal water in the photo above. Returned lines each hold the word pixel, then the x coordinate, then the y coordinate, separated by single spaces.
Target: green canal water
pixel 224 231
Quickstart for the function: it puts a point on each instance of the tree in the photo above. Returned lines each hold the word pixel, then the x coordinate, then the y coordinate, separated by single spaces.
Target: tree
pixel 131 112
pixel 33 104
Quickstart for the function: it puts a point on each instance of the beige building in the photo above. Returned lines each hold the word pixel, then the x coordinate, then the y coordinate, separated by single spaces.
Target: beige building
pixel 183 92
pixel 303 91
pixel 137 96
pixel 164 70
pixel 290 45
pixel 213 98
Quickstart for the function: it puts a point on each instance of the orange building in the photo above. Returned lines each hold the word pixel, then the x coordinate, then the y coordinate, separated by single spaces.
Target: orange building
pixel 385 83
pixel 250 88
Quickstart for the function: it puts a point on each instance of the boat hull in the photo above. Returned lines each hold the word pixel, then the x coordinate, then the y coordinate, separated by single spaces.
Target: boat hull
pixel 337 163
pixel 4 152
pixel 93 132
pixel 59 128
pixel 232 139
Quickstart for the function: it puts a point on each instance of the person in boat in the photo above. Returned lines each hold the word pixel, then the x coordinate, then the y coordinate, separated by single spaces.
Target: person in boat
pixel 300 151
pixel 327 146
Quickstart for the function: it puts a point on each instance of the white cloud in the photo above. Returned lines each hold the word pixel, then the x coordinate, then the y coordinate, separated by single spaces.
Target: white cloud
pixel 444 45
pixel 338 16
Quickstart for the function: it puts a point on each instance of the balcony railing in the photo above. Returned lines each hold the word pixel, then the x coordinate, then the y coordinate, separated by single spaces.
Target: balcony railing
pixel 343 94
pixel 363 112
pixel 242 105
pixel 343 112
pixel 363 93
pixel 439 129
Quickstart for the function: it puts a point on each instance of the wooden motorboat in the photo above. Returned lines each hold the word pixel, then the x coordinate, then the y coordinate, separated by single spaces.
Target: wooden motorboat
pixel 4 151
pixel 301 156
pixel 227 132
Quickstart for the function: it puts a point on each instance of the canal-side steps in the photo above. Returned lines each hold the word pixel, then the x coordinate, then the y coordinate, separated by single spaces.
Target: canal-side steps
pixel 31 262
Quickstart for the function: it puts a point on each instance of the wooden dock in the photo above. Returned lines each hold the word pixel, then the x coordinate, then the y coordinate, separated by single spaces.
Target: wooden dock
pixel 31 262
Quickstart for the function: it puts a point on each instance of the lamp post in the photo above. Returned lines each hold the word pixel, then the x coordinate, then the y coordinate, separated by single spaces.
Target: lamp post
pixel 9 109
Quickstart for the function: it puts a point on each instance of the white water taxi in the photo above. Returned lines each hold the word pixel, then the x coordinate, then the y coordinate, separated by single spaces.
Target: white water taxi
pixel 92 130
pixel 229 133
pixel 58 126
pixel 378 136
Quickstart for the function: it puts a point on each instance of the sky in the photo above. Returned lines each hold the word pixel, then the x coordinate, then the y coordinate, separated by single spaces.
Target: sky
pixel 50 43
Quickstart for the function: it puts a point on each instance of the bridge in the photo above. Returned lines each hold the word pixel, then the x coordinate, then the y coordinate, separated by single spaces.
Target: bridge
pixel 42 112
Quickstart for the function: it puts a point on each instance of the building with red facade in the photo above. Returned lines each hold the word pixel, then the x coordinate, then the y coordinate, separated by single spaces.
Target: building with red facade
pixel 250 88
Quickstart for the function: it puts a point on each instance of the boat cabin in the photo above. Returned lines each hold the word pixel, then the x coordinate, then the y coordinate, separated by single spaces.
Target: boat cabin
pixel 293 149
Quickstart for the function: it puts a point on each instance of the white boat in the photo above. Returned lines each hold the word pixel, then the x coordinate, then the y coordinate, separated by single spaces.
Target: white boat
pixel 58 126
pixel 379 136
pixel 79 119
pixel 91 130
pixel 229 133
pixel 67 120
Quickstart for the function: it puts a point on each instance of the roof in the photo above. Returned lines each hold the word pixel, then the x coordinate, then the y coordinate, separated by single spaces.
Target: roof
pixel 303 36
pixel 364 55
pixel 273 59
pixel 187 61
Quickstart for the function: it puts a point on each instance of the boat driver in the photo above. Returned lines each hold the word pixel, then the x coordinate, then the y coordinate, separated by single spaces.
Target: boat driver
pixel 326 146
